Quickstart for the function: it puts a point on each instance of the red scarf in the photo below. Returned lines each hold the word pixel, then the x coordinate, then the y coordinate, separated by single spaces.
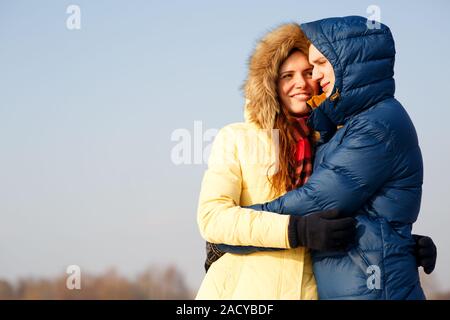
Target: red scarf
pixel 303 151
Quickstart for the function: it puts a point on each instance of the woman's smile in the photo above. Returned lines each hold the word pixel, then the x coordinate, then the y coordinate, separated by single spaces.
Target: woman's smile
pixel 301 96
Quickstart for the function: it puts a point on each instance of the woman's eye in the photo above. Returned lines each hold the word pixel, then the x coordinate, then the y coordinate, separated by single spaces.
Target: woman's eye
pixel 286 76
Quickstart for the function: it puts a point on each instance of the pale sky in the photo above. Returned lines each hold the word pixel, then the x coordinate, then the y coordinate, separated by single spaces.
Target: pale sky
pixel 86 119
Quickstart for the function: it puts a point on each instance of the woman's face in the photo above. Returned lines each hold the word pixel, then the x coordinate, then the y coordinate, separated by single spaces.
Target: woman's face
pixel 295 84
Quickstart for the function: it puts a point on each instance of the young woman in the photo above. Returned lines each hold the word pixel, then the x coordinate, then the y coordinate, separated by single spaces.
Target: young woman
pixel 241 171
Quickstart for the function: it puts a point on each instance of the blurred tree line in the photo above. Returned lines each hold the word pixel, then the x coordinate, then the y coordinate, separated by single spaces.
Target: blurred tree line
pixel 153 283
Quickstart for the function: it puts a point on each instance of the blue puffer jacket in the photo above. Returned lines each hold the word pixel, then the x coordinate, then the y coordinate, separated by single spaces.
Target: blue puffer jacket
pixel 372 166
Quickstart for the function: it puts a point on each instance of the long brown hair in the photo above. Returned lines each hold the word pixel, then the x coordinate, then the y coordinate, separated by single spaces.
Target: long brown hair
pixel 263 105
pixel 285 178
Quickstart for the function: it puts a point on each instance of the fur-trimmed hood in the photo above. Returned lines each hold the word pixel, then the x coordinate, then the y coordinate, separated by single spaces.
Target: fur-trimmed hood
pixel 260 88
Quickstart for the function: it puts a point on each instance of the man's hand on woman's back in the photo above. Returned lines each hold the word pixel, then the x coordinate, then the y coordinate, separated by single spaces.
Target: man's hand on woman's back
pixel 327 230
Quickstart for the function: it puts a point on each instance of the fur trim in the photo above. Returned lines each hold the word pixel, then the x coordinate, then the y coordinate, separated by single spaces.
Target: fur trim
pixel 261 85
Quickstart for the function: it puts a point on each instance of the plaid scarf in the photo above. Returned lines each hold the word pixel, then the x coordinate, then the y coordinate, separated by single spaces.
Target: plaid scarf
pixel 303 151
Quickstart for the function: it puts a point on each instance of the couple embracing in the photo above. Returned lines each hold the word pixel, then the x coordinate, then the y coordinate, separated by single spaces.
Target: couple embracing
pixel 331 216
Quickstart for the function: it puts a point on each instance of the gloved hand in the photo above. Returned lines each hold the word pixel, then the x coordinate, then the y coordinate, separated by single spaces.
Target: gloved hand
pixel 324 231
pixel 212 254
pixel 426 253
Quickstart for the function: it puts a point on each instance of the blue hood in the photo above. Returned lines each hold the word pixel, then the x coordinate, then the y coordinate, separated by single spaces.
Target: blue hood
pixel 363 62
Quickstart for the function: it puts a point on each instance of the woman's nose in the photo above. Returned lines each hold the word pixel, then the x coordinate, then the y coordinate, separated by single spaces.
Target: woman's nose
pixel 299 81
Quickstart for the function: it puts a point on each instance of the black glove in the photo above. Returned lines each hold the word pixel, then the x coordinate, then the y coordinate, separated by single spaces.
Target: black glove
pixel 325 231
pixel 425 252
pixel 212 254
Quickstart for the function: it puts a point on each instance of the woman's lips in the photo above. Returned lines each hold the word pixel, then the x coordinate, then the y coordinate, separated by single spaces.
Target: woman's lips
pixel 325 85
pixel 301 96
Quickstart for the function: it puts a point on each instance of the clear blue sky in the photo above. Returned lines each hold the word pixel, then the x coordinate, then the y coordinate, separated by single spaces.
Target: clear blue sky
pixel 86 118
